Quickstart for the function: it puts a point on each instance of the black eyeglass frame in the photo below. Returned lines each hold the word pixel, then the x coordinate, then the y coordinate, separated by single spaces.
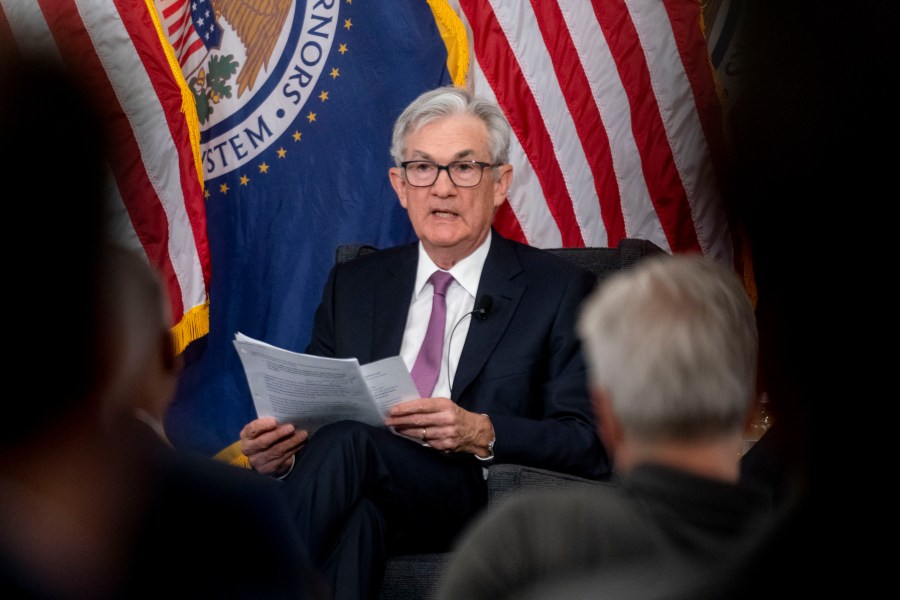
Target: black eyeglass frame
pixel 446 167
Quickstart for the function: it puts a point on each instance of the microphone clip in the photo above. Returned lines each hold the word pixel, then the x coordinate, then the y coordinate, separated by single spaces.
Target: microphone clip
pixel 484 307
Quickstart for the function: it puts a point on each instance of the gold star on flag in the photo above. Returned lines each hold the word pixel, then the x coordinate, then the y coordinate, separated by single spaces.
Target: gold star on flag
pixel 342 48
pixel 264 168
pixel 244 180
pixel 335 73
pixel 297 136
pixel 311 116
pixel 223 188
pixel 348 24
pixel 323 96
pixel 282 153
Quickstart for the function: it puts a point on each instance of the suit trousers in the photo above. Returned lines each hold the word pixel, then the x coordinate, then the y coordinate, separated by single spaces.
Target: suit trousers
pixel 359 492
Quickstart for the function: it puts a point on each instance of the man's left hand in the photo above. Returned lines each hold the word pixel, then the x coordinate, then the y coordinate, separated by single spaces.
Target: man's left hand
pixel 443 425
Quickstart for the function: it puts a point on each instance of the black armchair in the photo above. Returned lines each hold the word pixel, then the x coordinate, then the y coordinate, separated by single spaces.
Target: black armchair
pixel 413 577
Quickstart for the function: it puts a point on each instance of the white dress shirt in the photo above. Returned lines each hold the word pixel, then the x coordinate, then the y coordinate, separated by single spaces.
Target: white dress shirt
pixel 460 301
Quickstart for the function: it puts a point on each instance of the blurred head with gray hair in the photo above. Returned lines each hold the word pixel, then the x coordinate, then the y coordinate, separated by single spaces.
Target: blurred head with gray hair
pixel 672 349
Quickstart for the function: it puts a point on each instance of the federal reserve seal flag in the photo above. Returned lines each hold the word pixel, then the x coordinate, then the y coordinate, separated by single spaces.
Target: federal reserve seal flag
pixel 295 103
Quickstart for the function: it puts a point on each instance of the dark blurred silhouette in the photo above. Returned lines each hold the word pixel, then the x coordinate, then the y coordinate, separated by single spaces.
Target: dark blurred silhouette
pixel 808 184
pixel 197 511
pixel 64 512
pixel 93 502
pixel 52 156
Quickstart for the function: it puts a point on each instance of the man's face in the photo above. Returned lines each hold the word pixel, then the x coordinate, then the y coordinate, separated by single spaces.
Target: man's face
pixel 451 221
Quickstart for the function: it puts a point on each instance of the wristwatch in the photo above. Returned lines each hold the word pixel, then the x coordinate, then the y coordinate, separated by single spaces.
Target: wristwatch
pixel 490 455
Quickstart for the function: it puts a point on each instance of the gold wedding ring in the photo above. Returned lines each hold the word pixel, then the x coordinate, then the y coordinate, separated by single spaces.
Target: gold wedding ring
pixel 423 434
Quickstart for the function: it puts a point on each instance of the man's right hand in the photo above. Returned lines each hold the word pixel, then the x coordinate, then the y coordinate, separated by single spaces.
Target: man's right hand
pixel 270 447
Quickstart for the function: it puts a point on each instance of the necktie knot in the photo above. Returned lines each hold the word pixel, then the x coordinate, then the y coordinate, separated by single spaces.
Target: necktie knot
pixel 441 281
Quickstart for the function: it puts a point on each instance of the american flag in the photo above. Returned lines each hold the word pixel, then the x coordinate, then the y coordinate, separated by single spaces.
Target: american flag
pixel 617 120
pixel 181 20
pixel 155 183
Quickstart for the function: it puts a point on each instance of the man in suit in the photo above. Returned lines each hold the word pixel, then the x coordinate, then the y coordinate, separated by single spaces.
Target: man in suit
pixel 512 385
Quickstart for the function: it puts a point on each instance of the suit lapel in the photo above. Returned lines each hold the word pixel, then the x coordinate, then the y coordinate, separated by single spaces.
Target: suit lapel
pixel 497 280
pixel 391 306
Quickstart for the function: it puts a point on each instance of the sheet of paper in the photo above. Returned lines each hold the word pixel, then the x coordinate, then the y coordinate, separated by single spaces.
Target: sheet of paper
pixel 312 391
pixel 389 382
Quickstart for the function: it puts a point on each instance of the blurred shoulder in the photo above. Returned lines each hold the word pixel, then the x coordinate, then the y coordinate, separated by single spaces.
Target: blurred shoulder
pixel 590 503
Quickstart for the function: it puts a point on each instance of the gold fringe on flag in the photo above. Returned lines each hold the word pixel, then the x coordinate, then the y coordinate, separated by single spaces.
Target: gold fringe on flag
pixel 193 325
pixel 233 456
pixel 188 108
pixel 453 32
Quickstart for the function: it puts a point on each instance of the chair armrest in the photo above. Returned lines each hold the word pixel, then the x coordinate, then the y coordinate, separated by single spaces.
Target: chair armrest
pixel 412 576
pixel 506 478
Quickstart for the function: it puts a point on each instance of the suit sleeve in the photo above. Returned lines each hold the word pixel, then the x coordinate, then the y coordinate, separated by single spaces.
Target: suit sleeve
pixel 322 341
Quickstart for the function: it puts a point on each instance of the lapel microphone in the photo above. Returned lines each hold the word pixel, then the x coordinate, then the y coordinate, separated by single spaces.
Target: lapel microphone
pixel 481 312
pixel 485 303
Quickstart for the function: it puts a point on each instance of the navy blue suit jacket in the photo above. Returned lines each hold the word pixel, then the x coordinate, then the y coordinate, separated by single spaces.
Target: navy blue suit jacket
pixel 522 365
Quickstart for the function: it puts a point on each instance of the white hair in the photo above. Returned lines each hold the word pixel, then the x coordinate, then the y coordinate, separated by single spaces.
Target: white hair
pixel 674 345
pixel 445 102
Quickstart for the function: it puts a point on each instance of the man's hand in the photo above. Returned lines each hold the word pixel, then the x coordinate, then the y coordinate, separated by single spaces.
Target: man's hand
pixel 270 447
pixel 443 425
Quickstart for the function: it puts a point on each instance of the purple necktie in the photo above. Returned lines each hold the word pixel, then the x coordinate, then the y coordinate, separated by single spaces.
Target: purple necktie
pixel 428 363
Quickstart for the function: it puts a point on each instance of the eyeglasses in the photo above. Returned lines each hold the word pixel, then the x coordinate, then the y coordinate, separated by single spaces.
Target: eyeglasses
pixel 463 173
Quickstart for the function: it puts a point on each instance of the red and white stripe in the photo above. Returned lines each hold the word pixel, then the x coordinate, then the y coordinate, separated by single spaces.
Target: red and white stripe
pixel 615 117
pixel 115 49
pixel 179 29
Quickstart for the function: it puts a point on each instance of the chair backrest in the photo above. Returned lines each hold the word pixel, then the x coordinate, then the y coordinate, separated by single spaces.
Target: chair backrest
pixel 602 262
pixel 347 252
pixel 599 260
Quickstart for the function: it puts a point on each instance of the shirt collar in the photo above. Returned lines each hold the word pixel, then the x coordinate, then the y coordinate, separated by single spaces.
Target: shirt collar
pixel 466 272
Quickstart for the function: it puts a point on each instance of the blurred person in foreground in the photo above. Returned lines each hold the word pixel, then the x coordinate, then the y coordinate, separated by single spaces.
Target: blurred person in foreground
pixel 671 346
pixel 511 388
pixel 197 510
pixel 65 511
pixel 89 509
